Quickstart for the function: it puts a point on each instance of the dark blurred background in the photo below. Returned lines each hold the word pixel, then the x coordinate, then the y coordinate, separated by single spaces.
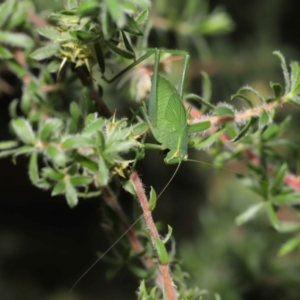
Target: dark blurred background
pixel 45 246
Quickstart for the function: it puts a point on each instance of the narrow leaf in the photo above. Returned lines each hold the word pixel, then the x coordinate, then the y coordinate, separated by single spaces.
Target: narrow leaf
pixel 77 142
pixel 152 200
pixel 162 252
pixel 71 195
pixel 48 32
pixel 122 52
pixel 20 40
pixel 81 180
pixel 5 54
pixel 45 52
pixel 23 130
pixel 103 171
pixel 8 144
pixel 289 245
pixel 86 162
pixel 249 214
pixel 142 16
pixel 116 12
pixel 285 71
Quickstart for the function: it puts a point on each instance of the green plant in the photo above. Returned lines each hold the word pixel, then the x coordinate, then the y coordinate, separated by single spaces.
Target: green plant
pixel 77 147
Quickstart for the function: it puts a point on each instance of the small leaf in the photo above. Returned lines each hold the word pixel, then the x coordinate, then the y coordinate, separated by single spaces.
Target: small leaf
pixel 249 214
pixel 87 8
pixel 86 162
pixel 59 188
pixel 56 155
pixel 169 234
pixel 71 195
pixel 279 176
pixel 223 111
pixel 19 40
pixel 48 32
pixel 77 142
pixel 107 24
pixel 8 144
pixel 128 186
pixel 45 52
pixel 245 129
pixel 207 142
pixel 71 4
pixel 152 200
pixel 52 174
pixel 75 112
pixel 288 199
pixel 137 271
pixel 116 12
pixel 238 95
pixel 272 214
pixel 198 127
pixel 277 89
pixel 93 127
pixel 285 72
pixel 289 245
pixel 272 131
pixel 80 180
pixel 162 252
pixel 127 44
pixel 122 52
pixel 51 126
pixel 142 16
pixel 100 57
pixel 264 119
pixel 103 171
pixel 5 54
pixel 33 168
pixel 23 130
pixel 206 87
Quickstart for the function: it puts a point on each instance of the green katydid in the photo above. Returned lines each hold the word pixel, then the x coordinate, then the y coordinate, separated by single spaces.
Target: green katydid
pixel 167 117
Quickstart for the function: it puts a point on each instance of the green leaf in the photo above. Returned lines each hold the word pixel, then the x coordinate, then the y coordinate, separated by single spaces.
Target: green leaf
pixel 295 78
pixel 272 214
pixel 250 213
pixel 49 32
pixel 77 142
pixel 5 54
pixel 45 52
pixel 33 168
pixel 137 271
pixel 116 12
pixel 128 186
pixel 272 131
pixel 264 119
pixel 100 57
pixel 279 176
pixel 71 195
pixel 51 126
pixel 289 245
pixel 8 144
pixel 142 16
pixel 207 142
pixel 224 111
pixel 75 112
pixel 253 91
pixel 93 127
pixel 71 4
pixel 162 252
pixel 122 52
pixel 139 129
pixel 288 199
pixel 153 198
pixel 52 174
pixel 107 24
pixel 169 234
pixel 80 180
pixel 23 130
pixel 198 127
pixel 285 72
pixel 245 129
pixel 277 89
pixel 57 156
pixel 127 44
pixel 6 10
pixel 206 87
pixel 288 227
pixel 13 39
pixel 103 171
pixel 238 95
pixel 59 188
pixel 87 8
pixel 86 162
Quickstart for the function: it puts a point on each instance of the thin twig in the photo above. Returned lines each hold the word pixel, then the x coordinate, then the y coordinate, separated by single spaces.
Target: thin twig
pixel 168 284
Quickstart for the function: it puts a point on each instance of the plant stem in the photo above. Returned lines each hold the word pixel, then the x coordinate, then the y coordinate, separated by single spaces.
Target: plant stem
pixel 168 284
